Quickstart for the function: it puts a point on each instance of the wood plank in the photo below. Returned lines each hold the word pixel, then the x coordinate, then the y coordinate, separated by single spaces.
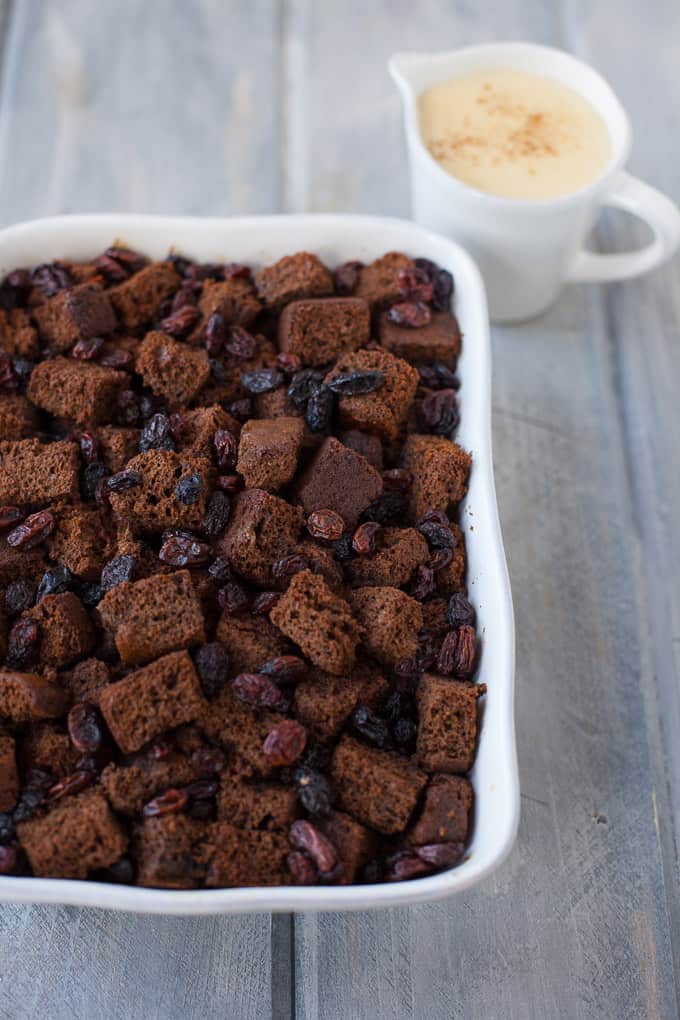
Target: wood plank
pixel 145 107
pixel 576 923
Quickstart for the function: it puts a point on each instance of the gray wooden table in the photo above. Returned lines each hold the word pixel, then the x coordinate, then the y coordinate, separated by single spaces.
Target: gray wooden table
pixel 284 105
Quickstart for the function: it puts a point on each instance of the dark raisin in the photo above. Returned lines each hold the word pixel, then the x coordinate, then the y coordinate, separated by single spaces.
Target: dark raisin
pixel 9 859
pixel 263 380
pixel 88 349
pixel 85 728
pixel 123 480
pixel 284 744
pixel 32 531
pixel 128 410
pixel 405 865
pixel 317 757
pixel 131 260
pixel 439 536
pixel 287 566
pixel 260 691
pixel 410 313
pixel 461 611
pixel 366 538
pixel 55 582
pixel 319 412
pixel 458 652
pixel 74 783
pixel 326 525
pixel 212 665
pixel 121 872
pixel 352 384
pixel 233 598
pixel 288 363
pixel 215 334
pixel 208 760
pixel 405 731
pixel 91 478
pixel 150 404
pixel 304 836
pixel 156 434
pixel 440 559
pixel 219 570
pixel 302 869
pixel 19 595
pixel 167 803
pixel 372 872
pixel 180 551
pixel 112 271
pixel 117 570
pixel 226 447
pixel 264 602
pixel 50 279
pixel 438 376
pixel 285 669
pixel 240 343
pixel 217 514
pixel 180 262
pixel 343 548
pixel 241 409
pixel 89 447
pixel 442 291
pixel 8 379
pixel 303 385
pixel 89 592
pixel 23 369
pixel 6 828
pixel 415 285
pixel 14 289
pixel 399 704
pixel 371 726
pixel 389 506
pixel 439 412
pixel 181 322
pixel 9 516
pixel 188 489
pixel 422 583
pixel 314 791
pixel 31 797
pixel 347 277
pixel 397 478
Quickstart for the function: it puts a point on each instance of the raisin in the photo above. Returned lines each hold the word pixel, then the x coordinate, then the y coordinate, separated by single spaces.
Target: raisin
pixel 119 359
pixel 397 704
pixel 352 384
pixel 438 376
pixel 208 760
pixel 117 570
pixel 343 548
pixel 186 296
pixel 217 514
pixel 422 583
pixel 50 279
pixel 121 872
pixel 89 447
pixel 289 565
pixel 366 537
pixel 85 728
pixel 284 744
pixel 212 665
pixel 219 570
pixel 92 477
pixel 372 872
pixel 32 531
pixel 326 525
pixel 439 412
pixel 215 334
pixel 410 313
pixel 205 271
pixel 123 480
pixel 233 598
pixel 372 727
pixel 188 489
pixel 6 828
pixel 89 592
pixel 236 271
pixel 304 836
pixel 150 404
pixel 181 322
pixel 460 611
pixel 314 791
pixel 156 434
pixel 440 559
pixel 19 595
pixel 22 644
pixel 264 602
pixel 285 669
pixel 74 783
pixel 415 285
pixel 87 350
pixel 226 447
pixel 303 385
pixel 55 582
pixel 301 868
pixel 263 380
pixel 405 865
pixel 439 536
pixel 168 803
pixel 442 284
pixel 346 277
pixel 23 369
pixel 14 289
pixel 319 412
pixel 260 691
pixel 128 409
pixel 9 515
pixel 389 506
pixel 440 855
pixel 458 652
pixel 9 858
pixel 400 479
pixel 317 757
pixel 131 260
pixel 8 380
pixel 177 425
pixel 182 551
pixel 112 271
pixel 288 363
pixel 241 343
pixel 404 731
pixel 32 795
pixel 241 409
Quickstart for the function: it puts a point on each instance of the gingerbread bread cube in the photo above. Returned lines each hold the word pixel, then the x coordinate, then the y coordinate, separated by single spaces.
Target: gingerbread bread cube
pixel 18 417
pixel 79 834
pixel 153 616
pixel 324 703
pixel 27 697
pixel 79 391
pixel 165 848
pixel 322 329
pixel 245 857
pixel 354 843
pixel 9 777
pixel 321 560
pixel 154 504
pixel 379 788
pixel 319 621
pixel 173 370
pixel 251 640
pixel 390 620
pixel 393 564
pixel 117 446
pixel 367 445
pixel 447 723
pixel 338 479
pixel 262 529
pixel 36 474
pixel 48 746
pixel 276 404
pixel 86 680
pixel 241 730
pixel 383 411
pixel 270 807
pixel 235 299
pixel 379 282
pixel 129 787
pixel 153 699
pixel 137 300
pixel 77 313
pixel 268 452
pixel 80 541
pixel 440 470
pixel 66 633
pixel 291 278
pixel 438 341
pixel 445 815
pixel 200 426
pixel 18 337
pixel 452 578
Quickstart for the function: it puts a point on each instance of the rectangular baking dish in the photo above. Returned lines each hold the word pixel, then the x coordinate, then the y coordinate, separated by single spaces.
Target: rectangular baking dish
pixel 335 238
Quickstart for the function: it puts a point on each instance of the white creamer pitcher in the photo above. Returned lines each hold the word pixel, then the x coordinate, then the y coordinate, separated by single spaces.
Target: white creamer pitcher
pixel 527 250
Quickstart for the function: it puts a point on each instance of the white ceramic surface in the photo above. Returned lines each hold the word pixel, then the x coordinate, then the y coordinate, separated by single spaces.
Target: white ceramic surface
pixel 259 240
pixel 527 250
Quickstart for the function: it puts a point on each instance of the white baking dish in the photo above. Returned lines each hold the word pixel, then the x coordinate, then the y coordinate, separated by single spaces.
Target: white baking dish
pixel 335 238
